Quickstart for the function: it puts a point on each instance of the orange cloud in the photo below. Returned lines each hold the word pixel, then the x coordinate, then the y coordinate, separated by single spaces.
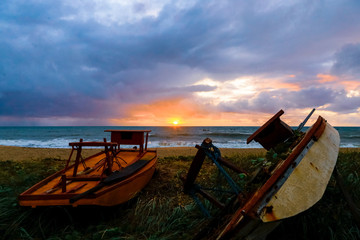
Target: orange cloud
pixel 324 78
pixel 351 85
pixel 289 86
pixel 162 113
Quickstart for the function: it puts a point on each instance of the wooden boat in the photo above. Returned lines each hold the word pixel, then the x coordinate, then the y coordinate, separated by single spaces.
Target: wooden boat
pixel 294 184
pixel 108 178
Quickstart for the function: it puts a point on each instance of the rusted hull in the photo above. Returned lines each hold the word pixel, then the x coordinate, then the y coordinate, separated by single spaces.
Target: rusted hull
pixel 49 193
pixel 295 185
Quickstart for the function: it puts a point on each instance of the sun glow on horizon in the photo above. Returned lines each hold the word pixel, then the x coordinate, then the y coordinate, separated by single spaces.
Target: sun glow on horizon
pixel 175 122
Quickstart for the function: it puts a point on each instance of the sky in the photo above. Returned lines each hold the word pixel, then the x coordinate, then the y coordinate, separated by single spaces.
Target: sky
pixel 197 63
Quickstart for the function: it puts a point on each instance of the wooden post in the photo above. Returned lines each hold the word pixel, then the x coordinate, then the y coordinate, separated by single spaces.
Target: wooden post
pixel 63 183
pixel 194 169
pixel 68 161
pixel 147 137
pixel 77 160
pixel 108 161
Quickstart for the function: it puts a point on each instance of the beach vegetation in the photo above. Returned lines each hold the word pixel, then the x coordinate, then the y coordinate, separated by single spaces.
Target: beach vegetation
pixel 162 210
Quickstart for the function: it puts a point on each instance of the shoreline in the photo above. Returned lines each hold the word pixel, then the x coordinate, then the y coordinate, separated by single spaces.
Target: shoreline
pixel 14 153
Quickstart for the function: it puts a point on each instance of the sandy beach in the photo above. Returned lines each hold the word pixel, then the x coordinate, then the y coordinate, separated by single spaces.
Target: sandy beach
pixel 30 154
pixel 23 153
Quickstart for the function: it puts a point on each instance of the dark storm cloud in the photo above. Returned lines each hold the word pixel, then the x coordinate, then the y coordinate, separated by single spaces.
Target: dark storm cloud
pixel 59 59
pixel 347 60
pixel 271 101
pixel 344 104
pixel 13 103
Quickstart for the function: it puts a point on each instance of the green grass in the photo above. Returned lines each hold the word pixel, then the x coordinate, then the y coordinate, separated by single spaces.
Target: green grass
pixel 161 210
pixel 152 215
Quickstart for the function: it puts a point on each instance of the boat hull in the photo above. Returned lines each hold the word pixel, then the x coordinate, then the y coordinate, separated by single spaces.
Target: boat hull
pixel 295 185
pixel 307 183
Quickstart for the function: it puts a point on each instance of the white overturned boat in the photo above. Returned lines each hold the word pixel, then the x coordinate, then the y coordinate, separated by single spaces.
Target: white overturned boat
pixel 294 184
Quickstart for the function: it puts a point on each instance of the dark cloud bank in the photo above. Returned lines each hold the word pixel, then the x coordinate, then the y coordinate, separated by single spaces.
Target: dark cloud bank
pixel 55 66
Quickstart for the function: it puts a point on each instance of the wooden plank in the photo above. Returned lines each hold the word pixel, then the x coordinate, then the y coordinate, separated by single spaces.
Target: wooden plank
pixel 194 169
pixel 93 144
pixel 230 165
pixel 55 175
pixel 77 187
pixel 254 135
pixel 212 199
pixel 114 177
pixel 272 132
pixel 84 178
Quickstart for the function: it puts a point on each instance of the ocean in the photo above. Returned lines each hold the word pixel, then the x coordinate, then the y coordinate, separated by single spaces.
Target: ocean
pixel 223 137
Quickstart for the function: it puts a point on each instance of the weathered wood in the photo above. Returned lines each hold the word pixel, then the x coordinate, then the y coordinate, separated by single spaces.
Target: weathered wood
pixel 63 183
pixel 93 144
pixel 308 180
pixel 258 131
pixel 114 177
pixel 77 160
pixel 130 137
pixel 273 132
pixel 211 198
pixel 194 169
pixel 77 187
pixel 55 190
pixel 69 159
pixel 230 165
pixel 249 207
pixel 84 178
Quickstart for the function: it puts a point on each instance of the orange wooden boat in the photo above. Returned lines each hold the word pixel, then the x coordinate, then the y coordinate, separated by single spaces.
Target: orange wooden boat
pixel 110 177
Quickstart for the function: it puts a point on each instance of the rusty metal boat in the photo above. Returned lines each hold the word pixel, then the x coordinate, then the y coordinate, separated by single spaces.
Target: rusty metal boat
pixel 110 177
pixel 293 185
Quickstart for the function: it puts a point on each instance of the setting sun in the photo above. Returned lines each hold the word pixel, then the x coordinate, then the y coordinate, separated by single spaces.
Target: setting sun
pixel 176 122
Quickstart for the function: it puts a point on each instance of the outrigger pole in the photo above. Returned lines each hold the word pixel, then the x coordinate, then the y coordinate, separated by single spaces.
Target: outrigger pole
pixel 306 119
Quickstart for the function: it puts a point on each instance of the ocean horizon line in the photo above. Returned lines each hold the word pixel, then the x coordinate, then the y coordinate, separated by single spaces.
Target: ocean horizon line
pixel 172 126
pixel 166 136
